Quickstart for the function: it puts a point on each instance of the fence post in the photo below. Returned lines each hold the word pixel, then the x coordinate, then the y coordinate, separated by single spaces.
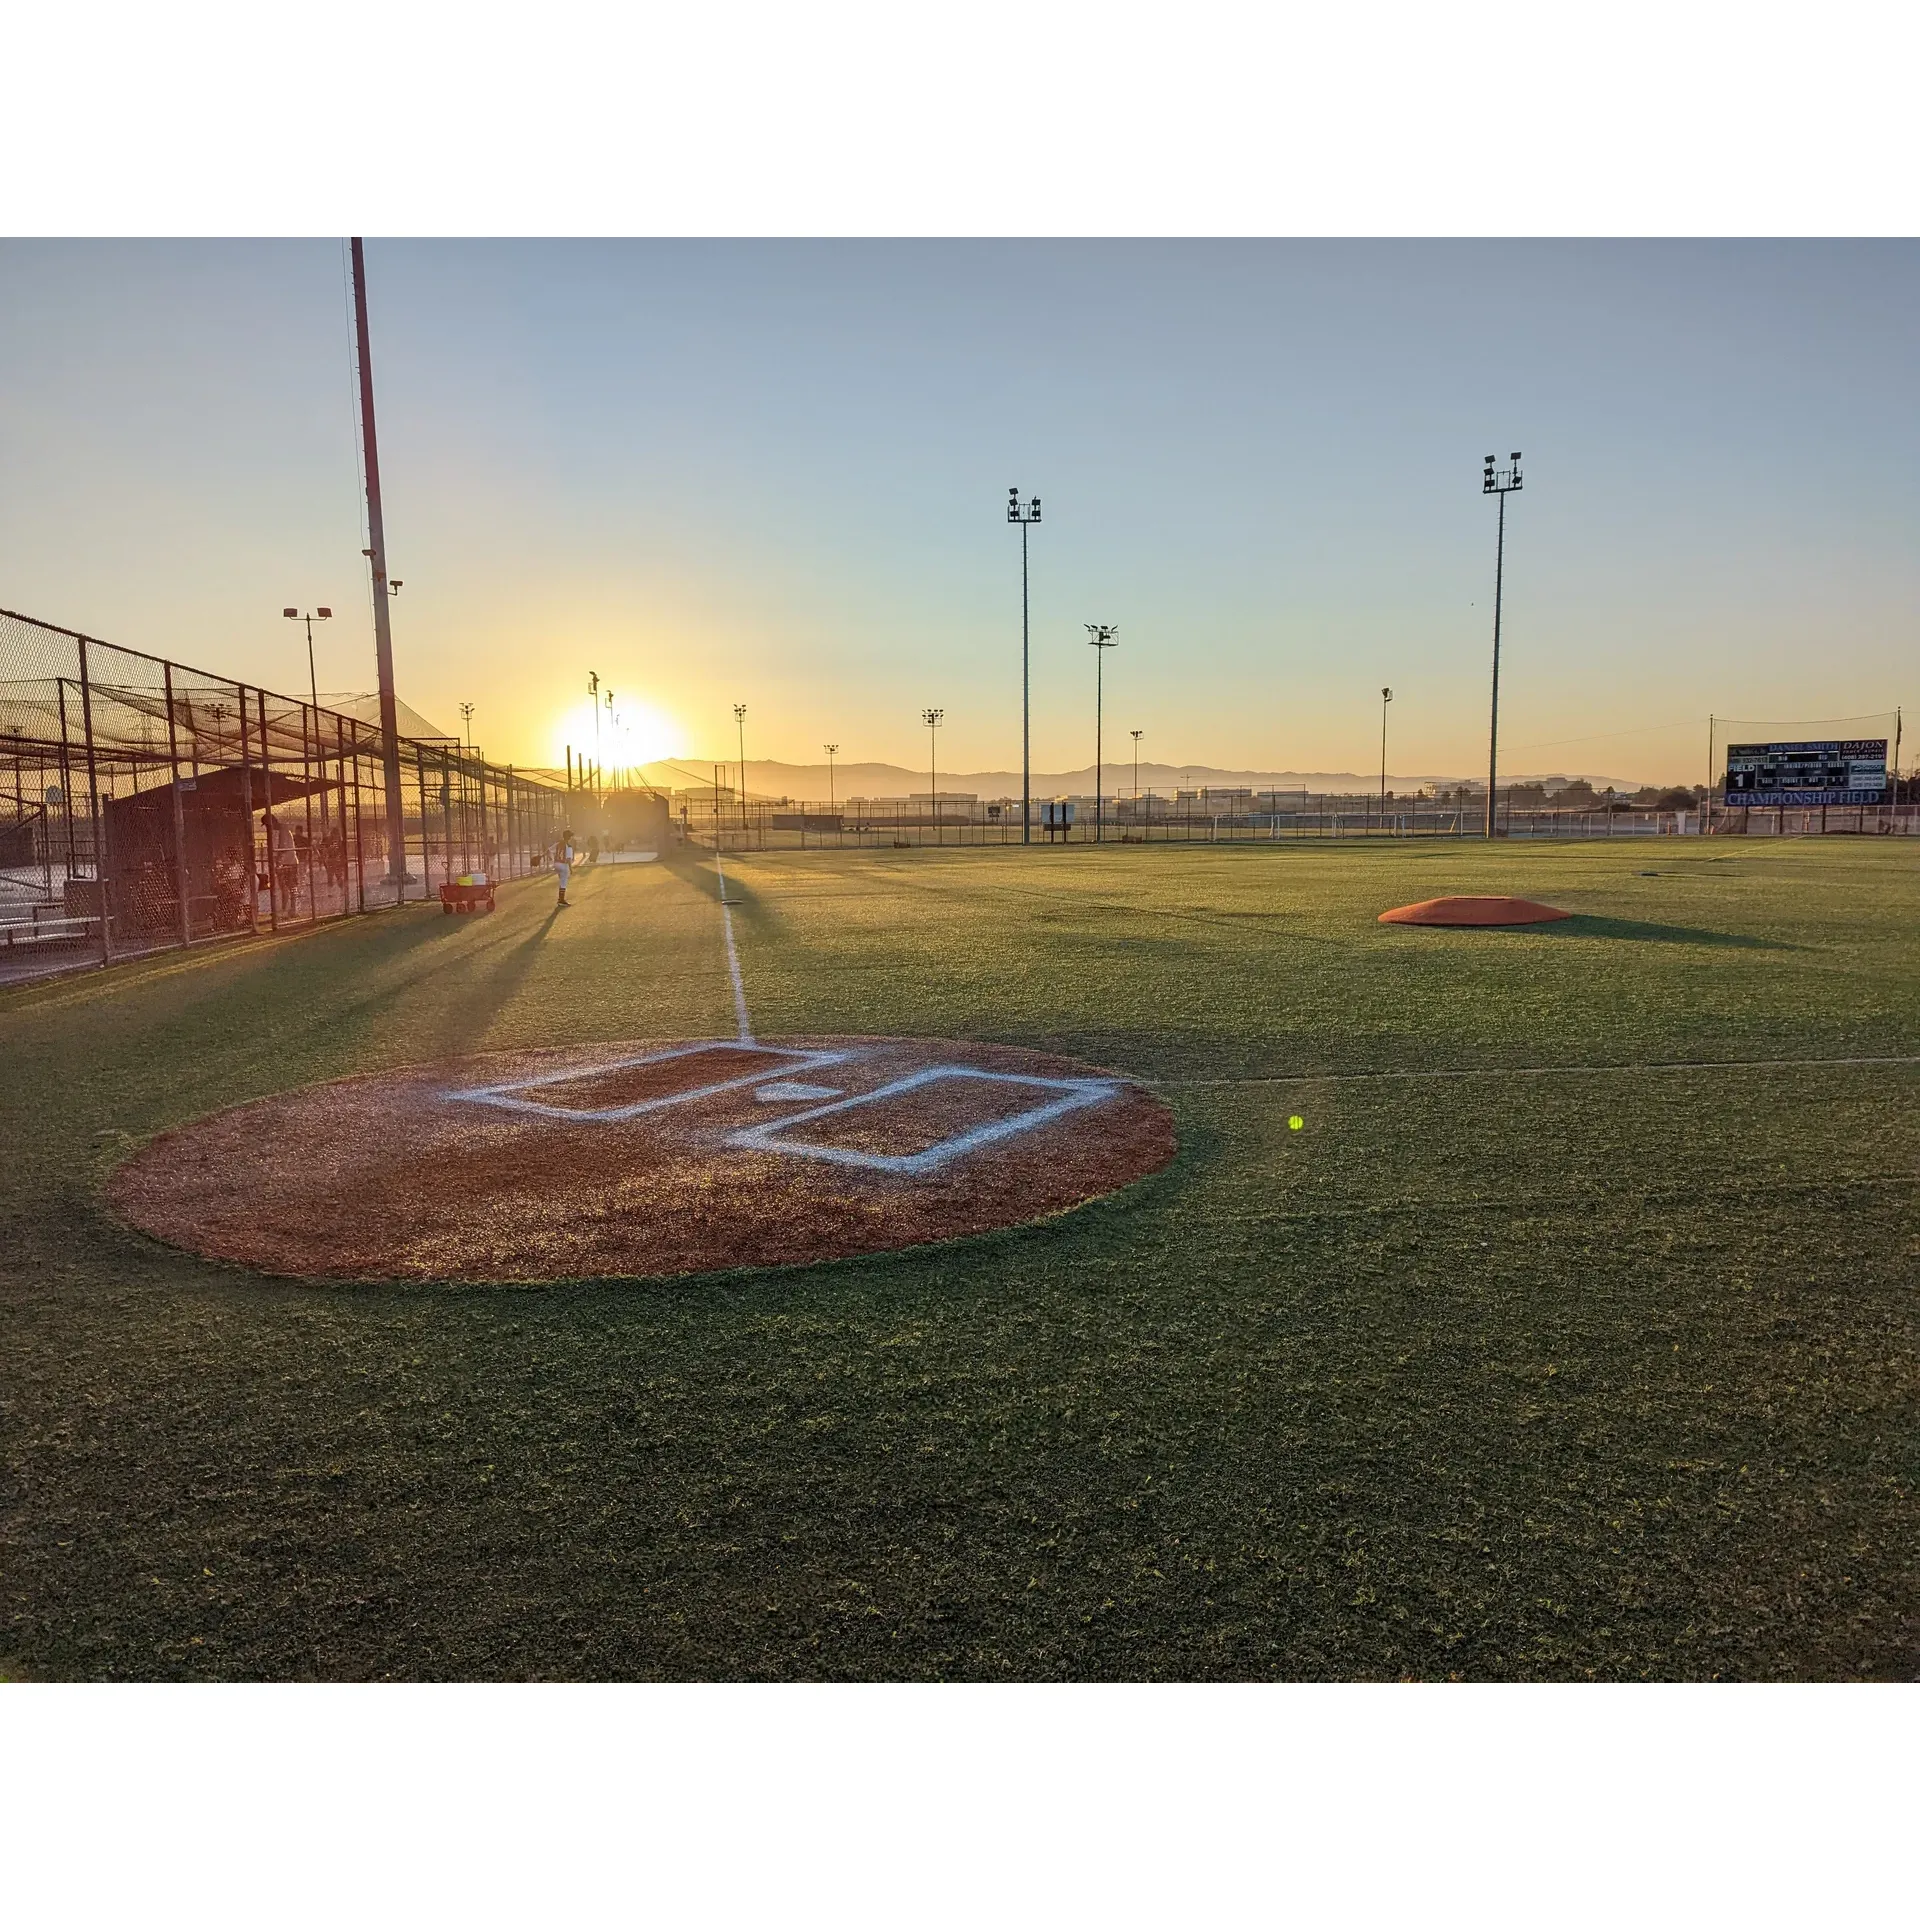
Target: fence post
pixel 359 848
pixel 98 815
pixel 266 804
pixel 66 780
pixel 179 816
pixel 246 816
pixel 313 846
pixel 420 780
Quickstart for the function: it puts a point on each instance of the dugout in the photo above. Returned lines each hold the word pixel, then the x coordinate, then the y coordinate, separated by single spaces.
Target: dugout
pixel 634 817
pixel 215 827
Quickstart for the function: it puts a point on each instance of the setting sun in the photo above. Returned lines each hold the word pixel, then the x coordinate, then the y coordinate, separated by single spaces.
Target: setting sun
pixel 629 734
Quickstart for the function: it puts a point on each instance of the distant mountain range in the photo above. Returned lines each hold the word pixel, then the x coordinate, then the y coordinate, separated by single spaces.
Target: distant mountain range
pixel 879 779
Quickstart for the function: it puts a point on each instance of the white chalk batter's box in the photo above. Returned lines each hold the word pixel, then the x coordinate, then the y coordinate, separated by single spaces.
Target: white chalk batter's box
pixel 915 1123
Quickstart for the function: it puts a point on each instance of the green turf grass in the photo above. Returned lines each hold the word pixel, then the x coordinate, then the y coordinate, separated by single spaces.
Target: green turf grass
pixel 1498 1375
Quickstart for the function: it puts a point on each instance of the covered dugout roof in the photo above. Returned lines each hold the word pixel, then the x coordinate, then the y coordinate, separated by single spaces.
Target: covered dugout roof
pixel 226 785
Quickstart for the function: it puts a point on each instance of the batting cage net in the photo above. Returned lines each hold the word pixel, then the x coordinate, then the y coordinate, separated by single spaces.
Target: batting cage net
pixel 147 804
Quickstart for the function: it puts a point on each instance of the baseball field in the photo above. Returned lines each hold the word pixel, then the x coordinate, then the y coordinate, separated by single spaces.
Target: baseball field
pixel 1569 1334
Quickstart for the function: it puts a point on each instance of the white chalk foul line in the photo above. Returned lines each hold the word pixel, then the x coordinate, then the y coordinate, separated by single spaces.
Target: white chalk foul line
pixel 733 952
pixel 1482 1073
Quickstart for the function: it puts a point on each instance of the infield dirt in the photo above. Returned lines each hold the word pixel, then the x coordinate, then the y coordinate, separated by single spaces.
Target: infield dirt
pixel 592 1162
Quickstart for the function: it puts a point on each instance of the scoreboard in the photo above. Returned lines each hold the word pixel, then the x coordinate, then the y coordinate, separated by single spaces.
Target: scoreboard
pixel 1808 773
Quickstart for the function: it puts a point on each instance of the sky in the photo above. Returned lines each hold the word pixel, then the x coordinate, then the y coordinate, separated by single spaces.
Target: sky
pixel 776 473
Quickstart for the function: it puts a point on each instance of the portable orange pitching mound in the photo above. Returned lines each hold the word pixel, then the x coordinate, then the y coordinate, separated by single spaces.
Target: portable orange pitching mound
pixel 645 1160
pixel 1473 910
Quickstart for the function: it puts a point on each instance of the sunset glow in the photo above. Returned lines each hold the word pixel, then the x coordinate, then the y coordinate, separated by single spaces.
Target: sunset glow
pixel 631 734
pixel 664 491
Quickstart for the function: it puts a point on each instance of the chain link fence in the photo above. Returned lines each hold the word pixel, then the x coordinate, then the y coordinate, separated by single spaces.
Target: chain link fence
pixel 1219 816
pixel 146 804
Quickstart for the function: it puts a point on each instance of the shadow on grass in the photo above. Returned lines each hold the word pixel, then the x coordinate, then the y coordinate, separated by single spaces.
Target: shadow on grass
pixel 459 972
pixel 494 985
pixel 1595 926
pixel 697 870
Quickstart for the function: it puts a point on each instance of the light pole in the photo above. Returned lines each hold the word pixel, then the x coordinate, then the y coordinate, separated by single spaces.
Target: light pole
pixel 313 683
pixel 1101 641
pixel 933 716
pixel 1136 732
pixel 1386 700
pixel 831 751
pixel 740 721
pixel 1023 518
pixel 616 766
pixel 1503 481
pixel 383 588
pixel 319 613
pixel 466 714
pixel 593 700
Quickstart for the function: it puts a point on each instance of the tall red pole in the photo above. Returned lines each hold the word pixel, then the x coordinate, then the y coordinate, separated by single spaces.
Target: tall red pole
pixel 377 561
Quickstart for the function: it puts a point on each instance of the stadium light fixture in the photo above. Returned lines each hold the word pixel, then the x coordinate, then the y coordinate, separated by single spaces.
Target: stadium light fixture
pixel 319 613
pixel 1500 481
pixel 933 716
pixel 1103 638
pixel 1023 518
pixel 1386 700
pixel 466 715
pixel 831 751
pixel 1136 732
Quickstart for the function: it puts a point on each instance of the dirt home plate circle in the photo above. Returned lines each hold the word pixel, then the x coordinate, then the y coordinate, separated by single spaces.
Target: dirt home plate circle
pixel 650 1159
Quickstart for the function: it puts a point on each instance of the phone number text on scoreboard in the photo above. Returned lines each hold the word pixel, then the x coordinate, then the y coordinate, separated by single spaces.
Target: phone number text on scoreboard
pixel 1808 773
